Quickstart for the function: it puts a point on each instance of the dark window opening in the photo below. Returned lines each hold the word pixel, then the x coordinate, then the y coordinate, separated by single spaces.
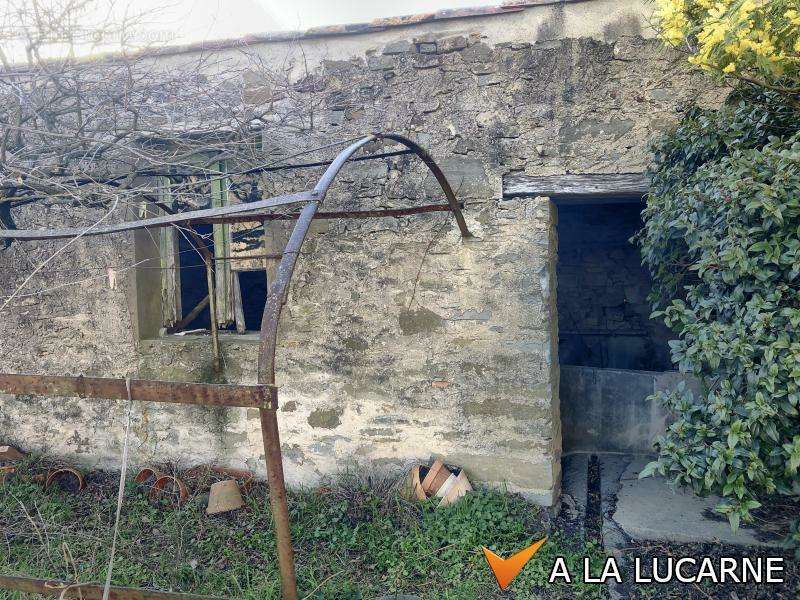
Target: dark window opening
pixel 193 280
pixel 254 295
pixel 603 311
pixel 194 286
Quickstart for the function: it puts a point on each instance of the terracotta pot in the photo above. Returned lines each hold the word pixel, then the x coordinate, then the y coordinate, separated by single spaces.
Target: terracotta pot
pixel 75 477
pixel 160 486
pixel 435 478
pixel 5 472
pixel 413 486
pixel 147 474
pixel 224 496
pixel 10 454
pixel 459 487
pixel 445 487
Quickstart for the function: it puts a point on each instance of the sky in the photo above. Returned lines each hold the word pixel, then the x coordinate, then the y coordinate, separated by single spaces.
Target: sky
pixel 168 22
pixel 186 21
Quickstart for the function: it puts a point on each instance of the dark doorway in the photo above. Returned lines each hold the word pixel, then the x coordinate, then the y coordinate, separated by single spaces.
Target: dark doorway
pixel 612 356
pixel 603 311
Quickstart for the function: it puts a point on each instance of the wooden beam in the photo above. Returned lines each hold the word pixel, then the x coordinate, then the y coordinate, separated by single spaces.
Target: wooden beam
pixel 169 253
pixel 238 307
pixel 193 314
pixel 205 394
pixel 579 188
pixel 89 591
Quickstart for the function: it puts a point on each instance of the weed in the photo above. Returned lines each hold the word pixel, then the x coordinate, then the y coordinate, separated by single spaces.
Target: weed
pixel 355 538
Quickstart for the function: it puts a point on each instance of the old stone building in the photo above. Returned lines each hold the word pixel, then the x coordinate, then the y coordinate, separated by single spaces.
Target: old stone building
pixel 400 339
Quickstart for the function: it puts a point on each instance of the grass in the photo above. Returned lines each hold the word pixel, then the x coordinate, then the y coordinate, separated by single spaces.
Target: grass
pixel 353 539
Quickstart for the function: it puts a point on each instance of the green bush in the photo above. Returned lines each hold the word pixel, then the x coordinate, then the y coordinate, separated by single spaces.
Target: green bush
pixel 722 242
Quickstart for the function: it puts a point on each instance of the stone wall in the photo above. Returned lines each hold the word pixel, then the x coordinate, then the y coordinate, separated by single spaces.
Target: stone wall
pixel 399 340
pixel 607 410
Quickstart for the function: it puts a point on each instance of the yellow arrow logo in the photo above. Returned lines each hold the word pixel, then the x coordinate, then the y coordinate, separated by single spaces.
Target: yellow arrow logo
pixel 506 569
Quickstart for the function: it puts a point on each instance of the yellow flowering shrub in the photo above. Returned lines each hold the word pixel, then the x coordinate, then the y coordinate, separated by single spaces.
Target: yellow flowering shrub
pixel 758 40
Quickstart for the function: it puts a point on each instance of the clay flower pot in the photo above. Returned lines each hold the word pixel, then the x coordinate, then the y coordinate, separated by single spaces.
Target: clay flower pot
pixel 434 480
pixel 224 496
pixel 5 472
pixel 457 486
pixel 165 484
pixel 147 474
pixel 68 479
pixel 162 484
pixel 438 481
pixel 413 486
pixel 10 454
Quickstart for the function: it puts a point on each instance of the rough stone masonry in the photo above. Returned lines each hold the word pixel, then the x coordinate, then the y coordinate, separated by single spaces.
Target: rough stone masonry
pixel 400 340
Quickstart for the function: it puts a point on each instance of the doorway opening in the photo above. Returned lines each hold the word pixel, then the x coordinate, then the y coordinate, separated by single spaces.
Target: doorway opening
pixel 603 311
pixel 612 355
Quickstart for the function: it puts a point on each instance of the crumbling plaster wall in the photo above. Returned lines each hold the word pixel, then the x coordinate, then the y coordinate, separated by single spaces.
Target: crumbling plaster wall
pixel 399 340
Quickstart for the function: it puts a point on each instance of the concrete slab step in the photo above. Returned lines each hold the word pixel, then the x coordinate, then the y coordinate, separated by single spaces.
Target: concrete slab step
pixel 649 509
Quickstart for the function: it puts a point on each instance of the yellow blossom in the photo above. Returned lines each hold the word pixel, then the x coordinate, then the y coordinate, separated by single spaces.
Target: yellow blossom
pixel 755 38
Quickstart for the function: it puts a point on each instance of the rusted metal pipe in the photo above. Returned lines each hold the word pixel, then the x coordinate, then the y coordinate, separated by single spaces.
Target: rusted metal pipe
pixel 162 221
pixel 142 390
pixel 266 374
pixel 276 298
pixel 262 215
pixel 455 207
pixel 277 500
pixel 269 419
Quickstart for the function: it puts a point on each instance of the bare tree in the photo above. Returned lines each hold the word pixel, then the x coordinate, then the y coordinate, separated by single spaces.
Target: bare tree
pixel 91 131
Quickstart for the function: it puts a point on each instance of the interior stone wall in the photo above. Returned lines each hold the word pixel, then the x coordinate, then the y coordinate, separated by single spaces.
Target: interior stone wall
pixel 400 340
pixel 603 312
pixel 607 410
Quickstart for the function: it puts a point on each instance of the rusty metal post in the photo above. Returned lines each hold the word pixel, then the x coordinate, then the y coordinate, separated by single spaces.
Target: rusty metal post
pixel 269 419
pixel 276 298
pixel 277 500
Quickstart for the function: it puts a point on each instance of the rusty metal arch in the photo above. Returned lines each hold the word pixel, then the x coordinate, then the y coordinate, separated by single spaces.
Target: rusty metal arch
pixel 276 298
pixel 264 395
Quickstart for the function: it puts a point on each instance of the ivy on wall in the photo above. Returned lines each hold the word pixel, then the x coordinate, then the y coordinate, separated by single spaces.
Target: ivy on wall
pixel 722 242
